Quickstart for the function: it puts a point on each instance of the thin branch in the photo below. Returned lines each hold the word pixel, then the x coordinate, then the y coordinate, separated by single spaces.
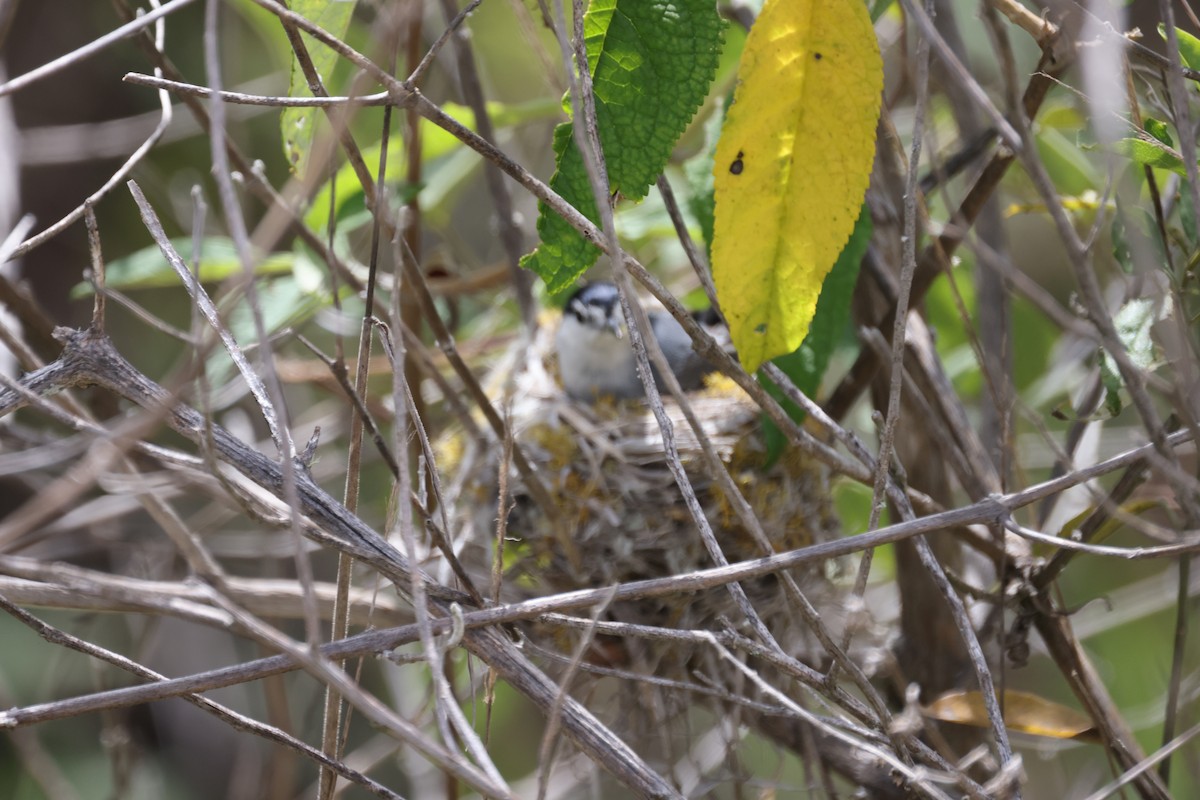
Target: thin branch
pixel 241 98
pixel 918 14
pixel 88 353
pixel 123 171
pixel 66 586
pixel 80 360
pixel 92 48
pixel 510 232
pixel 238 721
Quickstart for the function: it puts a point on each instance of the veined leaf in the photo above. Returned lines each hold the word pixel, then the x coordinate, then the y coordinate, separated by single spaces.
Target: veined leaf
pixel 298 124
pixel 1159 130
pixel 792 166
pixel 1133 322
pixel 652 62
pixel 1152 153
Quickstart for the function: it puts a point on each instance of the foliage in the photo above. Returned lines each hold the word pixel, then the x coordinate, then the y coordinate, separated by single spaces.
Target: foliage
pixel 297 126
pixel 651 65
pixel 1053 324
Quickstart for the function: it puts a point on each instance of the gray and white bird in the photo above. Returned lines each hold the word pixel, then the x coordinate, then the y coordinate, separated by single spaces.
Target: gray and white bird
pixel 594 355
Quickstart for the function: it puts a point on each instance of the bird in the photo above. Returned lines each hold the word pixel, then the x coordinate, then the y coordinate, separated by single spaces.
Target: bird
pixel 595 358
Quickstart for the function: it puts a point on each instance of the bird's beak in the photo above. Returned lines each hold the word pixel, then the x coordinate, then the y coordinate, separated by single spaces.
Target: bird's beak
pixel 614 325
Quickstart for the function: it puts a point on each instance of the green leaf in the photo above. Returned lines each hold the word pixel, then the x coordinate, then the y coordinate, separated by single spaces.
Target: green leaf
pixel 699 172
pixel 284 301
pixel 287 300
pixel 652 64
pixel 1135 230
pixel 1152 153
pixel 1159 130
pixel 1121 250
pixel 807 365
pixel 1073 172
pixel 1189 46
pixel 297 125
pixel 879 8
pixel 1112 386
pixel 1187 219
pixel 563 254
pixel 147 269
pixel 436 143
pixel 1133 322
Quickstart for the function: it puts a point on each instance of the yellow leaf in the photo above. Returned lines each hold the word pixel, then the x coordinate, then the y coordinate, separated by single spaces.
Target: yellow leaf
pixel 1087 202
pixel 792 167
pixel 1023 711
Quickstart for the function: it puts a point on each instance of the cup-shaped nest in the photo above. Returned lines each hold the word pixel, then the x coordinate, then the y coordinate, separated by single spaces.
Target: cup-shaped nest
pixel 618 514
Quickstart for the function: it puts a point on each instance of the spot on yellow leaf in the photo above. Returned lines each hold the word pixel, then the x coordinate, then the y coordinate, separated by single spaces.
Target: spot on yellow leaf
pixel 792 167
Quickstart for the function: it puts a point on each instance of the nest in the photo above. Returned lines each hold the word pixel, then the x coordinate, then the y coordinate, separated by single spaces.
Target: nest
pixel 621 517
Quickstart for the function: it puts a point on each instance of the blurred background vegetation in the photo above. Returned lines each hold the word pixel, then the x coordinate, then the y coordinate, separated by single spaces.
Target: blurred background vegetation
pixel 77 126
